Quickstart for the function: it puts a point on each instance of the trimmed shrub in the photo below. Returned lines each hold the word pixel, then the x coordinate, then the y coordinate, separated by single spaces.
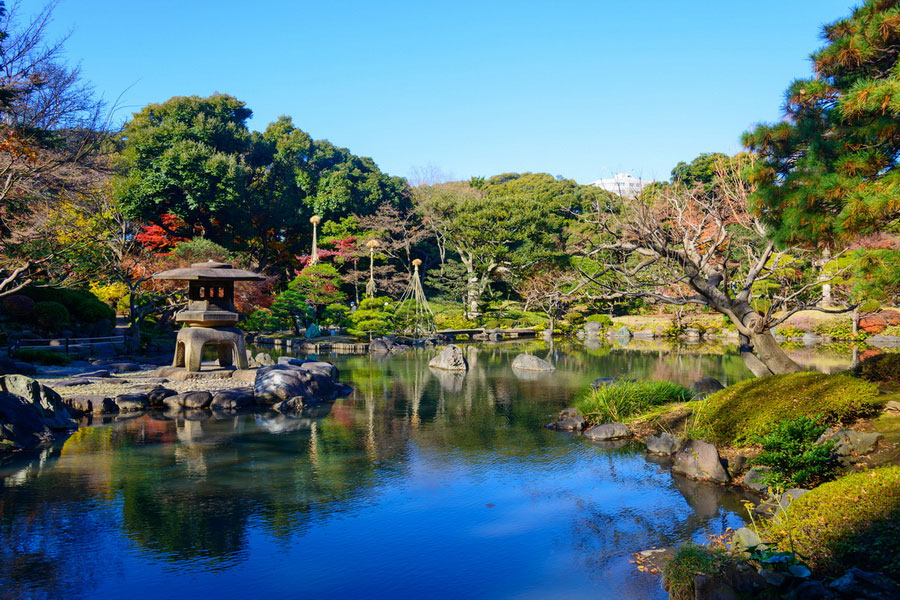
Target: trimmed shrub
pixel 739 412
pixel 51 316
pixel 851 522
pixel 81 305
pixel 49 358
pixel 604 320
pixel 613 403
pixel 18 306
pixel 882 367
pixel 790 450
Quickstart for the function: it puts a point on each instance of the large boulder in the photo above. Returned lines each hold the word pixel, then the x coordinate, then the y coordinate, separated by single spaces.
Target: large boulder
pixel 623 332
pixel 873 323
pixel 530 362
pixel 320 366
pixel 21 425
pixel 608 431
pixel 662 443
pixel 157 395
pixel 754 479
pixel 132 402
pixel 282 382
pixel 593 328
pixel 49 405
pixel 451 358
pixel 848 441
pixel 700 460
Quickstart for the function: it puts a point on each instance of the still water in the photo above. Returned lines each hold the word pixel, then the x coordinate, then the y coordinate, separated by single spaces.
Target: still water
pixel 420 484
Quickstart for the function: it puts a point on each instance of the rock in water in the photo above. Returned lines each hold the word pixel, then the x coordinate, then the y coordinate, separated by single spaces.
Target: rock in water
pixel 608 431
pixel 48 404
pixel 592 328
pixel 232 399
pixel 707 385
pixel 450 359
pixel 700 460
pixel 530 362
pixel 569 419
pixel 662 443
pixel 20 424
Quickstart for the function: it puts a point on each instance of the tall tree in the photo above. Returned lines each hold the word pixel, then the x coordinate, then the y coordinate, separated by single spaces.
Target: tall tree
pixel 829 169
pixel 50 131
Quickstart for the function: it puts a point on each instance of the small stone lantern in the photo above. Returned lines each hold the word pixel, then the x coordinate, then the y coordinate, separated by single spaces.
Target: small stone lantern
pixel 210 316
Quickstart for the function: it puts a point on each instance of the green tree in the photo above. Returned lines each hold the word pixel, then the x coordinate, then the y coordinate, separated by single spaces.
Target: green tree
pixel 319 285
pixel 187 157
pixel 829 169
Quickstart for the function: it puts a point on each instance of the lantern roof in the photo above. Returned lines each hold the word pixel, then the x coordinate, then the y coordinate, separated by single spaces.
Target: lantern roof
pixel 209 271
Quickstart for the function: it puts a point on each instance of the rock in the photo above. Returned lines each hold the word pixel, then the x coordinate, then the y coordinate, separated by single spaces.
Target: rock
pixel 48 404
pixel 892 407
pixel 890 316
pixel 9 366
pixel 530 362
pixel 873 323
pixel 603 382
pixel 77 381
pixel 91 403
pixel 325 368
pixel 283 382
pixel 569 419
pixel 131 402
pixel 189 400
pixel 753 479
pixel 233 399
pixel 380 346
pixel 662 443
pixel 707 385
pixel 21 425
pixel 744 538
pixel 848 441
pixel 263 359
pixel 608 431
pixel 98 373
pixel 592 328
pixel 810 338
pixel 122 367
pixel 883 341
pixel 292 406
pixel 157 396
pixel 623 332
pixel 856 583
pixel 712 587
pixel 450 359
pixel 700 460
pixel 736 465
pixel 811 590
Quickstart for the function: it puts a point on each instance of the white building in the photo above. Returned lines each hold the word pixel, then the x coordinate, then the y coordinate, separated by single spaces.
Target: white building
pixel 623 184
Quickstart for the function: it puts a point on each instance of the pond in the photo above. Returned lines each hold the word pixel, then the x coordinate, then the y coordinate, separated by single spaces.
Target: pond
pixel 419 484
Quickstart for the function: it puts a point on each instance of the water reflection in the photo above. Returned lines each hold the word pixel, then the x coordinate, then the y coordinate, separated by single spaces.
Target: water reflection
pixel 439 472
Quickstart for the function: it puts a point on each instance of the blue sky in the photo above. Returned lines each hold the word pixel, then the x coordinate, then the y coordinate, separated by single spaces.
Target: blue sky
pixel 582 89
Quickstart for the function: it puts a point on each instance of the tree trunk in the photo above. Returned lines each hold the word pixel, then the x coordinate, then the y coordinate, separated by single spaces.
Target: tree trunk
pixel 761 353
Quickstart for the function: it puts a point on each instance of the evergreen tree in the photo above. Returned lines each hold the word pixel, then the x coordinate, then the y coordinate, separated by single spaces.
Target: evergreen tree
pixel 830 168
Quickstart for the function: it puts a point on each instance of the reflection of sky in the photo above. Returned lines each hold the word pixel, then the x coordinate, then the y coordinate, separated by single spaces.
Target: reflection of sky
pixel 476 500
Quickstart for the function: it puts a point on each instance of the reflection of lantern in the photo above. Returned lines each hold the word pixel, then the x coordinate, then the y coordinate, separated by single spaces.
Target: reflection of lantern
pixel 370 287
pixel 314 258
pixel 210 315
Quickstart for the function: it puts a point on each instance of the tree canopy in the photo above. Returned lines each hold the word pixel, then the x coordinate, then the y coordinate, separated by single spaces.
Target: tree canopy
pixel 829 169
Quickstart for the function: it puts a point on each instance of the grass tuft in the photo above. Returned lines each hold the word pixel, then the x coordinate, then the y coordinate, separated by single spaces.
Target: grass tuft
pixel 620 401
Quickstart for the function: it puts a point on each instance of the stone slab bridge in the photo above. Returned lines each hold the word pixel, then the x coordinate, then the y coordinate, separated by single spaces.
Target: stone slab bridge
pixel 483 333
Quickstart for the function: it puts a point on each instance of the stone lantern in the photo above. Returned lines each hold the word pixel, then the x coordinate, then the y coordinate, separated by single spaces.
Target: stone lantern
pixel 210 315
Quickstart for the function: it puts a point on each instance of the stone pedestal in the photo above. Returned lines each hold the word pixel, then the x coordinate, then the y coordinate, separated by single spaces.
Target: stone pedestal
pixel 228 340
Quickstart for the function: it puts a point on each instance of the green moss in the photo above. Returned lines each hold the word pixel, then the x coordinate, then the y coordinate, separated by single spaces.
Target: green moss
pixel 620 401
pixel 692 560
pixel 851 522
pixel 735 414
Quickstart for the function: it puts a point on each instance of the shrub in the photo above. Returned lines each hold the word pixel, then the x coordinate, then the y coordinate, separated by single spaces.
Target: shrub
pixel 372 317
pixel 82 305
pixel 604 320
pixel 789 331
pixel 689 561
pixel 259 320
pixel 891 330
pixel 625 399
pixel 50 358
pixel 335 315
pixel 739 412
pixel 851 522
pixel 51 316
pixel 454 321
pixel 790 450
pixel 882 367
pixel 201 249
pixel 18 306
